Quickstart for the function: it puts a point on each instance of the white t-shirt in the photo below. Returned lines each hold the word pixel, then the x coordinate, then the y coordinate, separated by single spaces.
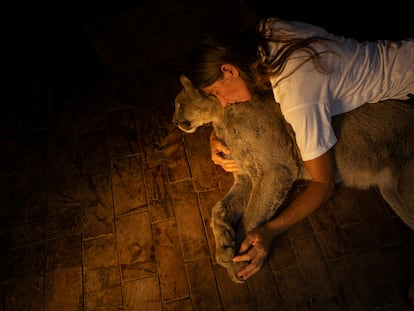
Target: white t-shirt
pixel 359 72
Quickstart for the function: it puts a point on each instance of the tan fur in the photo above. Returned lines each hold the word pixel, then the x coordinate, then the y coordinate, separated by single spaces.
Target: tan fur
pixel 375 148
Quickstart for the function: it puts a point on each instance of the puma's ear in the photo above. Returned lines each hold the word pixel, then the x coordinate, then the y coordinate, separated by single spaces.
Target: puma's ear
pixel 186 82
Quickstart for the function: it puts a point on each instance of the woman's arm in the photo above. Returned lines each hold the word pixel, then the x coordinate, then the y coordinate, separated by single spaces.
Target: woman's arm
pixel 255 247
pixel 217 150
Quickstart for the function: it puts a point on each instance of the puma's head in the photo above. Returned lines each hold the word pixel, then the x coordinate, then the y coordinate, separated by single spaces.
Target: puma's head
pixel 193 108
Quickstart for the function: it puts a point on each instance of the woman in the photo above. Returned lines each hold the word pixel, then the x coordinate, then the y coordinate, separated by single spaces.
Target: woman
pixel 314 75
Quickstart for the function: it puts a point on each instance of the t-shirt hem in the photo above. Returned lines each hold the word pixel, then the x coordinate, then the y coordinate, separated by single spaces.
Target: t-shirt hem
pixel 317 153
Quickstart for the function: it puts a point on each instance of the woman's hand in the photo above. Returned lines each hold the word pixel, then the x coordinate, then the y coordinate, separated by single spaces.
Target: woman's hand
pixel 220 154
pixel 255 249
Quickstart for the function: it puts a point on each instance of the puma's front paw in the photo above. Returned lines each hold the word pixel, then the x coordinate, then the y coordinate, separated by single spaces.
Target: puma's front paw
pixel 234 268
pixel 224 256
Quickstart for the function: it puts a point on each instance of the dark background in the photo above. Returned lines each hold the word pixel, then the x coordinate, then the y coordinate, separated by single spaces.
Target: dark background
pixel 43 41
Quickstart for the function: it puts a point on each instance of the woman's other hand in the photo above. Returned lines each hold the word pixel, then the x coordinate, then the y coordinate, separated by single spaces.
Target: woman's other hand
pixel 220 154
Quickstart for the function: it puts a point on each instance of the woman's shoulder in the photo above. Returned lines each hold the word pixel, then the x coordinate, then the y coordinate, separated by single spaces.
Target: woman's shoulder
pixel 275 25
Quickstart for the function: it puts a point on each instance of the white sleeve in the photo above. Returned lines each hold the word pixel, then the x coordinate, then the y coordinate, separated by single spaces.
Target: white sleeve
pixel 306 102
pixel 312 126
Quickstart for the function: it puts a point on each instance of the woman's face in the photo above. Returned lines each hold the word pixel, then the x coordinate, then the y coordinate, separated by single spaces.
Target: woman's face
pixel 231 89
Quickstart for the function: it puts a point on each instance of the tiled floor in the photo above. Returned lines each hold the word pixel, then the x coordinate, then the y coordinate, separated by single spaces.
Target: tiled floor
pixel 105 205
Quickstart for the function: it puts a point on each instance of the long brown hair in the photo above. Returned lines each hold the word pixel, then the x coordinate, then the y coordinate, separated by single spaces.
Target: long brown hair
pixel 266 67
pixel 214 49
pixel 242 50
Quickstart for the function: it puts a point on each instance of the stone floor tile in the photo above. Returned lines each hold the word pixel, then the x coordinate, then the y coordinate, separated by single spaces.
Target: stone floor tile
pixel 136 246
pixel 171 270
pixel 128 185
pixel 97 205
pixel 123 133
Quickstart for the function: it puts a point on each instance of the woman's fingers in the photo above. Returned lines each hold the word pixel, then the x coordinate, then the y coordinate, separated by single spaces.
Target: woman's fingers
pixel 229 165
pixel 256 259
